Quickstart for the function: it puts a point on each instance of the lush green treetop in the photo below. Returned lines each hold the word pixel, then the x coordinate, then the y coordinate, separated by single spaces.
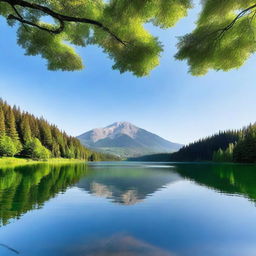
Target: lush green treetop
pixel 223 37
pixel 117 26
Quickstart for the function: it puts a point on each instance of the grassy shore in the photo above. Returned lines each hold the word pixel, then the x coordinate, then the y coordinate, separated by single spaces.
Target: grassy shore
pixel 13 161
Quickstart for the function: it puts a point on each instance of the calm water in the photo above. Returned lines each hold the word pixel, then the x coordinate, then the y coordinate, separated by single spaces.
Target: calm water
pixel 128 209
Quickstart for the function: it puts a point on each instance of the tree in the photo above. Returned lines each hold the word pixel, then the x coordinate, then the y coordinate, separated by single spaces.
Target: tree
pixel 46 134
pixel 245 150
pixel 8 147
pixel 25 129
pixel 229 152
pixel 55 149
pixel 11 130
pixel 117 26
pixel 218 155
pixel 224 155
pixel 11 125
pixel 223 37
pixel 2 123
pixel 35 150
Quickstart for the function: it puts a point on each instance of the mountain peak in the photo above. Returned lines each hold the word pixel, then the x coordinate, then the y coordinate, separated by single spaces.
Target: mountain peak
pixel 121 124
pixel 126 139
pixel 114 130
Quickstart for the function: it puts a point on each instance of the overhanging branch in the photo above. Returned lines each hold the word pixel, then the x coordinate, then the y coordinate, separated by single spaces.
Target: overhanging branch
pixel 60 17
pixel 23 21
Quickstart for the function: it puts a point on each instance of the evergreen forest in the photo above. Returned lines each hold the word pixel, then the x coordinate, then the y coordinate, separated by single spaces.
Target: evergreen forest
pixel 24 135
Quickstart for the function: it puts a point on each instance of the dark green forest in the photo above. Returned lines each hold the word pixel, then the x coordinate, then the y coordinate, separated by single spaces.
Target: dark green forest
pixel 228 146
pixel 242 151
pixel 203 149
pixel 24 135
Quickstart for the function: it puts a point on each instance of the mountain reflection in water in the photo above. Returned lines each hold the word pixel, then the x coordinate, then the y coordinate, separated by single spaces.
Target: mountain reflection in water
pixel 118 245
pixel 128 209
pixel 27 188
pixel 126 185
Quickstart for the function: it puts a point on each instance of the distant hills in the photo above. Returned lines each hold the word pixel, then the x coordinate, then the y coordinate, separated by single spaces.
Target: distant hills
pixel 126 140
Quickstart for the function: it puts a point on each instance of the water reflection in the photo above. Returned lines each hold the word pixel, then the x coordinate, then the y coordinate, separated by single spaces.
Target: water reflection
pixel 125 185
pixel 119 245
pixel 232 179
pixel 128 210
pixel 28 187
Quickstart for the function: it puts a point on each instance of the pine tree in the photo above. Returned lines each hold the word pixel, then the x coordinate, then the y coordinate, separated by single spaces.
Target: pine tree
pixel 245 149
pixel 34 126
pixel 46 135
pixel 11 125
pixel 2 123
pixel 25 129
pixel 55 149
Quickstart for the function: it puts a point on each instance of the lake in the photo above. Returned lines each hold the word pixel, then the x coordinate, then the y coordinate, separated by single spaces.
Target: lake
pixel 128 209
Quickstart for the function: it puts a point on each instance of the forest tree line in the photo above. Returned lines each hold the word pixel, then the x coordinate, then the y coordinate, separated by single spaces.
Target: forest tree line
pixel 228 146
pixel 24 135
pixel 203 149
pixel 242 151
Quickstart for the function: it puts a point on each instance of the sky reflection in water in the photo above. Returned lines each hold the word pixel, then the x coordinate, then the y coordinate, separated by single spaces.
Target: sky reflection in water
pixel 128 209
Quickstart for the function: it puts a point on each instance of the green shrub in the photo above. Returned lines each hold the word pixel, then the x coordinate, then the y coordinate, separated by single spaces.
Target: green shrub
pixel 34 149
pixel 8 147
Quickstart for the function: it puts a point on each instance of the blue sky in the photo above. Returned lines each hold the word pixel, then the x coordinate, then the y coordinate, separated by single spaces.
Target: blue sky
pixel 169 102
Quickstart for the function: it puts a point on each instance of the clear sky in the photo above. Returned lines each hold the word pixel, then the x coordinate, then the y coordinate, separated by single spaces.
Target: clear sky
pixel 170 102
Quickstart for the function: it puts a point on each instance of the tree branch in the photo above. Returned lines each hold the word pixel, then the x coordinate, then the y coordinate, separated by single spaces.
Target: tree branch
pixel 19 15
pixel 16 11
pixel 23 21
pixel 60 17
pixel 230 25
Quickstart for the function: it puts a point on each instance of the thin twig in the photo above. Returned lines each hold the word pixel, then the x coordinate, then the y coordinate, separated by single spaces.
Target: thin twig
pixel 16 11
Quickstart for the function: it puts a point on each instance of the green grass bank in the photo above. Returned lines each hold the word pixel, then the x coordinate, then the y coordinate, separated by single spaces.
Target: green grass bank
pixel 13 161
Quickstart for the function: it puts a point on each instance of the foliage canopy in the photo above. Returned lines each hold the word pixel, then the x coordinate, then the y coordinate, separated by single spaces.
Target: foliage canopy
pixel 223 38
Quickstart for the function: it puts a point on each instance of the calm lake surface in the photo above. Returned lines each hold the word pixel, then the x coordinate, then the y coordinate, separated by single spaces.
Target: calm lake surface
pixel 128 209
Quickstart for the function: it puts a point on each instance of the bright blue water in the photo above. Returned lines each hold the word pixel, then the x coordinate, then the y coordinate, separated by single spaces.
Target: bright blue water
pixel 128 209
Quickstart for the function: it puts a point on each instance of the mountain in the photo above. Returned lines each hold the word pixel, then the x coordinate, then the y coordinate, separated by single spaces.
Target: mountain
pixel 126 140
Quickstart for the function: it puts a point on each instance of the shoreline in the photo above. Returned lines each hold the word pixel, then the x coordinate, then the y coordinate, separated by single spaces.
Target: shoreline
pixel 13 161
